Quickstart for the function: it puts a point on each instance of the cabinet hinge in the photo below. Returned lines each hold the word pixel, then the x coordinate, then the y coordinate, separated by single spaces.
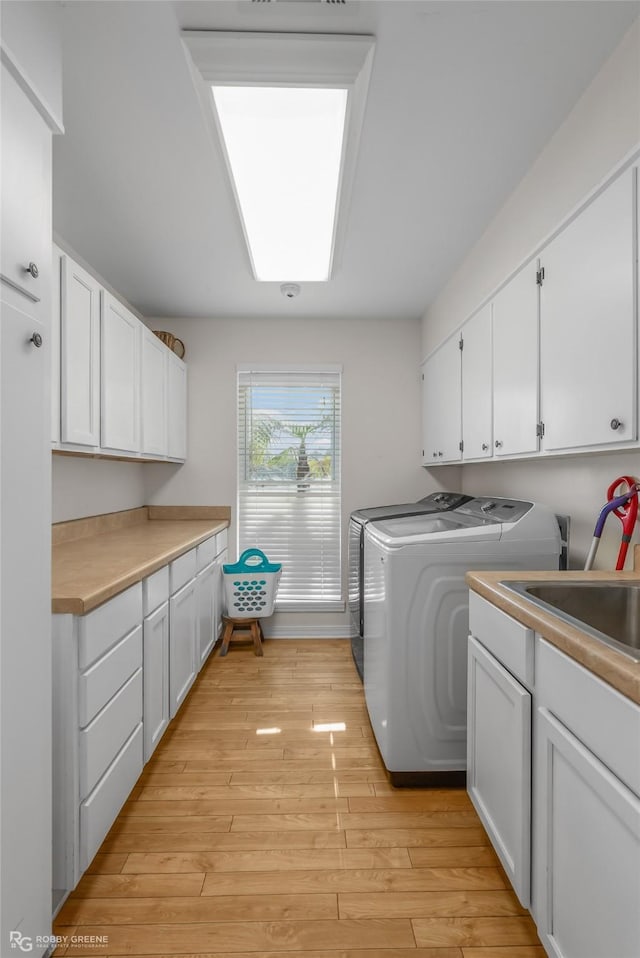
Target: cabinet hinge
pixel 461 344
pixel 461 445
pixel 540 276
pixel 540 429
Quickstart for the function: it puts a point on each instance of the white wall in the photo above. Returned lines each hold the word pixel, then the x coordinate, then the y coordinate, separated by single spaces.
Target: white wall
pixel 601 130
pixel 381 452
pixel 31 49
pixel 89 487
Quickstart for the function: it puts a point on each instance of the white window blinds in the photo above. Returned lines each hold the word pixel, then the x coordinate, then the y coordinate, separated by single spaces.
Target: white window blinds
pixel 289 479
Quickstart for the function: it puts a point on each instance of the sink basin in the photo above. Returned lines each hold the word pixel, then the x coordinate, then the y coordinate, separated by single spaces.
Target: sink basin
pixel 607 611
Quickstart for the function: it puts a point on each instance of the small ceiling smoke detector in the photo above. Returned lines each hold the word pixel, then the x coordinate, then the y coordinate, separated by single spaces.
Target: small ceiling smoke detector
pixel 290 290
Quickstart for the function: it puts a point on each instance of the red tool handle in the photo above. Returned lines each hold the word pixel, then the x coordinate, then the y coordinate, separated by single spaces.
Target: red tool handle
pixel 627 513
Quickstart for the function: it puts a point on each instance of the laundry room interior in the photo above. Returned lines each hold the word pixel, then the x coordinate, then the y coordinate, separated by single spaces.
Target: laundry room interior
pixel 320 579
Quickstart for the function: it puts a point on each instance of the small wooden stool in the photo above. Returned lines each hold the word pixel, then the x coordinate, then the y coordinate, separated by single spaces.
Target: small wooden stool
pixel 249 627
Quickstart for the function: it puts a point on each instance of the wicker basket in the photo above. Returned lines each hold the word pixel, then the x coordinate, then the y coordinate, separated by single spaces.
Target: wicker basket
pixel 175 345
pixel 167 338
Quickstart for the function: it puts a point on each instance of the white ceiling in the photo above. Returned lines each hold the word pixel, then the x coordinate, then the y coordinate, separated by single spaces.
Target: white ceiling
pixel 463 97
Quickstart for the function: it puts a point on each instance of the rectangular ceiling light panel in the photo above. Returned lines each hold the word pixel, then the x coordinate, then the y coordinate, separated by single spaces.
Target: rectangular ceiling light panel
pixel 289 110
pixel 284 146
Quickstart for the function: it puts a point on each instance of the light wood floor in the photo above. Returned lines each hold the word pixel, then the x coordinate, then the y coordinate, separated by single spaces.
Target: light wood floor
pixel 256 833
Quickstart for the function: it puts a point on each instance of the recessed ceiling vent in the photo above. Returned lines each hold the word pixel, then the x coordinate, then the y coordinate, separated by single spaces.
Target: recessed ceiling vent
pixel 336 3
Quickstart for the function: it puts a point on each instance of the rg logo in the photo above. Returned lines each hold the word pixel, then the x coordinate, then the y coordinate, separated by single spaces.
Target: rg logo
pixel 20 941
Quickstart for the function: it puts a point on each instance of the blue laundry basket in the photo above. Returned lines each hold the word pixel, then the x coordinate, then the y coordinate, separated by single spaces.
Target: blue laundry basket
pixel 251 585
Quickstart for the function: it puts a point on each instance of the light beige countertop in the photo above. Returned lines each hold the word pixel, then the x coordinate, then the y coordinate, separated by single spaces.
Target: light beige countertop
pixel 608 664
pixel 96 558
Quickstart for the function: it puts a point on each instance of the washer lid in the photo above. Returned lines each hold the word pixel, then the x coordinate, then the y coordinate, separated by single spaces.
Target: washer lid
pixel 431 530
pixel 435 502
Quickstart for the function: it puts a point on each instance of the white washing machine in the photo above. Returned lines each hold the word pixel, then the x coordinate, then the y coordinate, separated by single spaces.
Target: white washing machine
pixel 417 624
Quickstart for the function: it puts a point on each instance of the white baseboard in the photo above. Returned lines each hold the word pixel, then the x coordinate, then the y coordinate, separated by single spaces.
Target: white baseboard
pixel 307 632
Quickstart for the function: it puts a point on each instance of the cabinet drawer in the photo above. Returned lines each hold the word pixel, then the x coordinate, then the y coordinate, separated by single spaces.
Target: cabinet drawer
pixel 206 552
pixel 102 628
pixel 100 809
pixel 609 726
pixel 222 539
pixel 509 641
pixel 102 680
pixel 155 590
pixel 103 738
pixel 181 570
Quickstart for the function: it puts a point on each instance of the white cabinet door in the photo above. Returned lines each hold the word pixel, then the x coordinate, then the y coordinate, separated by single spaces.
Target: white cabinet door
pixel 220 606
pixel 25 622
pixel 25 227
pixel 177 416
pixel 56 322
pixel 120 377
pixel 79 355
pixel 442 404
pixel 515 365
pixel 588 851
pixel 154 394
pixel 499 762
pixel 182 644
pixel 587 325
pixel 206 601
pixel 156 678
pixel 477 400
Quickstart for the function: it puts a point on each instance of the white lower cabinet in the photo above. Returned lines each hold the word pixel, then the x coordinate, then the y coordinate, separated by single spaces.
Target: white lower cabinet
pixel 183 612
pixel 120 673
pixel 500 676
pixel 206 603
pixel 587 813
pixel 567 821
pixel 97 728
pixel 156 677
pixel 499 763
pixel 210 593
pixel 99 809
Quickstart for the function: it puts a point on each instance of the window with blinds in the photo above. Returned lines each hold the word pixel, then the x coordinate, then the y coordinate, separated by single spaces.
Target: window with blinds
pixel 289 479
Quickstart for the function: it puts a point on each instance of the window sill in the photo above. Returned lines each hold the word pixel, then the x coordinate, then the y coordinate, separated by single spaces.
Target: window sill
pixel 293 606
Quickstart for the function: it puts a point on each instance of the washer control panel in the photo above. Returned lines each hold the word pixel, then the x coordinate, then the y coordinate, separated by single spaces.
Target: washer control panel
pixel 495 510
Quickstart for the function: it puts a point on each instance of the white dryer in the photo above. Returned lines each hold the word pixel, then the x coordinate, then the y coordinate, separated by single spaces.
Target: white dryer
pixel 417 624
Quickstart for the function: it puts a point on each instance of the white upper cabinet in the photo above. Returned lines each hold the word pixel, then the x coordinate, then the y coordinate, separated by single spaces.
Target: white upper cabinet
pixel 118 389
pixel 79 355
pixel 588 325
pixel 120 377
pixel 442 404
pixel 477 400
pixel 177 413
pixel 550 364
pixel 154 394
pixel 25 233
pixel 515 365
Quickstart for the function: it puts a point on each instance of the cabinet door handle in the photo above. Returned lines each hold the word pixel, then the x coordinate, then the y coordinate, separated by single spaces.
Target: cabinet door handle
pixel 484 447
pixel 439 453
pixel 32 269
pixel 498 443
pixel 616 423
pixel 36 339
